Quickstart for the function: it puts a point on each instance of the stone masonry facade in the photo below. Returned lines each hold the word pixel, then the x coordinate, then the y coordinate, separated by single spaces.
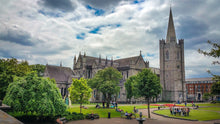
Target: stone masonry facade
pixel 87 66
pixel 172 69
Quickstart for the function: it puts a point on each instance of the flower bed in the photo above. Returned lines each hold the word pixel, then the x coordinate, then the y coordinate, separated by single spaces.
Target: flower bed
pixel 168 105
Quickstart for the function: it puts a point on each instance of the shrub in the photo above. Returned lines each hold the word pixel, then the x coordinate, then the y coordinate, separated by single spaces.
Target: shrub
pixel 73 116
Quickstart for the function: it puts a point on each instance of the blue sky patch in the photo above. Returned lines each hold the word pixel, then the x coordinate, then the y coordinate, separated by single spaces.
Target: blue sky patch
pixel 118 57
pixel 51 14
pixel 150 55
pixel 98 12
pixel 81 36
pixel 138 1
pixel 97 29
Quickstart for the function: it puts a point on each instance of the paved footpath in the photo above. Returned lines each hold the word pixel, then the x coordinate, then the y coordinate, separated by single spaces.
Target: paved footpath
pixel 156 119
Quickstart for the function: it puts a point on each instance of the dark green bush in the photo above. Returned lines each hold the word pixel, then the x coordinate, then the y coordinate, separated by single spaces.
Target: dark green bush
pixel 73 116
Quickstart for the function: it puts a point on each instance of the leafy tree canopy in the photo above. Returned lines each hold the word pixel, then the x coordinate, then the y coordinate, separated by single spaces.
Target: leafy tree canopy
pixel 38 68
pixel 148 85
pixel 215 89
pixel 214 52
pixel 107 81
pixel 80 92
pixel 130 87
pixel 34 94
pixel 8 69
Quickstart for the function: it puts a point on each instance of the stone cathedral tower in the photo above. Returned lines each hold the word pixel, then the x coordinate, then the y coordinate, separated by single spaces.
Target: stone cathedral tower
pixel 172 69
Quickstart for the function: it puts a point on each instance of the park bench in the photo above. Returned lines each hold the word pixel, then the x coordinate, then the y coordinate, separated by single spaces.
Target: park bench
pixel 61 120
pixel 88 116
pixel 123 115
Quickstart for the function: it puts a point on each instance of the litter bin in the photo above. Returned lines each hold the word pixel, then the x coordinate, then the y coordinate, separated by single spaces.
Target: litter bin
pixel 158 107
pixel 109 115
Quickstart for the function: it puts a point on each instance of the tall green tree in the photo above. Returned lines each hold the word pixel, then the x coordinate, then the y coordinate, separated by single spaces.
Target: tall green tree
pixel 80 92
pixel 148 86
pixel 214 52
pixel 106 81
pixel 215 89
pixel 8 69
pixel 130 88
pixel 36 95
pixel 39 69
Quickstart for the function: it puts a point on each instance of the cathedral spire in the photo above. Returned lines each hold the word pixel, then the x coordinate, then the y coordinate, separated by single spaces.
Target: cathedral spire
pixel 171 35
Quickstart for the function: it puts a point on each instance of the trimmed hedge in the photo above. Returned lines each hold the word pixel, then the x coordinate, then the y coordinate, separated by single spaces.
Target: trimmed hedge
pixel 35 118
pixel 73 116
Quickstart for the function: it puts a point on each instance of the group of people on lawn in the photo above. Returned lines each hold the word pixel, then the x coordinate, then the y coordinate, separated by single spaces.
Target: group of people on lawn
pixel 179 111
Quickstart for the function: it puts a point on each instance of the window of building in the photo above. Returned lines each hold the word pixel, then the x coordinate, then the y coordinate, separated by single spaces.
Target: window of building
pixel 178 55
pixel 127 74
pixel 89 74
pixel 198 88
pixel 94 93
pixel 61 91
pixel 167 55
pixel 64 92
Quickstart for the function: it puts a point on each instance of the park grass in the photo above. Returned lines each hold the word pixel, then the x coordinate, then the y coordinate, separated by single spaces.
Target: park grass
pixel 193 115
pixel 202 104
pixel 103 112
pixel 211 108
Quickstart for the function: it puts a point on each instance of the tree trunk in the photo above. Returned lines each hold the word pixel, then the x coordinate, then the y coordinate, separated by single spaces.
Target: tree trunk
pixel 148 107
pixel 80 107
pixel 108 100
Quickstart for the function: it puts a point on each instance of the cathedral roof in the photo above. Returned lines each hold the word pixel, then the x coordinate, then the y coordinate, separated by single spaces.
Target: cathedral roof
pixel 171 35
pixel 127 61
pixel 60 74
pixel 90 60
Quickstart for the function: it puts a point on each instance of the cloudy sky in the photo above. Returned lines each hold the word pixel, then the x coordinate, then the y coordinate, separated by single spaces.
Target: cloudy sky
pixel 51 31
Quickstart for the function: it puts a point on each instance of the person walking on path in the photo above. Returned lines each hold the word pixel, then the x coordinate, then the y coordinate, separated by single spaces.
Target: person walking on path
pixel 185 104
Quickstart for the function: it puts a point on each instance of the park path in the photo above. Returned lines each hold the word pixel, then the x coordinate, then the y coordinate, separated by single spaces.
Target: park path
pixel 161 119
pixel 155 119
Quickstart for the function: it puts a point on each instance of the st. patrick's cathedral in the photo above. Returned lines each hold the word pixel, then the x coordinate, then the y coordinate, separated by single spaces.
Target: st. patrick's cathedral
pixel 171 72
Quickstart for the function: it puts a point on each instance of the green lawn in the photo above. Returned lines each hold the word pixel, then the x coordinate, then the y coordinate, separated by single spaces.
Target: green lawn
pixel 103 113
pixel 201 104
pixel 194 115
pixel 211 108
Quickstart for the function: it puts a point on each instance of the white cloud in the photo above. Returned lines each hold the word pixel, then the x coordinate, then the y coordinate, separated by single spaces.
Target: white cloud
pixel 140 26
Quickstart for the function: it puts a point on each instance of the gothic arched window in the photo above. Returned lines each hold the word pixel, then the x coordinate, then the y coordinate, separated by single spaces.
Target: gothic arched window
pixel 61 91
pixel 64 92
pixel 178 55
pixel 167 55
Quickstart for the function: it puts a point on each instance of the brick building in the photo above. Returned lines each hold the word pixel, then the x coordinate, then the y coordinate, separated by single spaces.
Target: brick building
pixel 196 87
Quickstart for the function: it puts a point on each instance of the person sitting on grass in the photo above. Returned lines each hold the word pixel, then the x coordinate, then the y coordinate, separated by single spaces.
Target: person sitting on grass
pixel 97 106
pixel 118 110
